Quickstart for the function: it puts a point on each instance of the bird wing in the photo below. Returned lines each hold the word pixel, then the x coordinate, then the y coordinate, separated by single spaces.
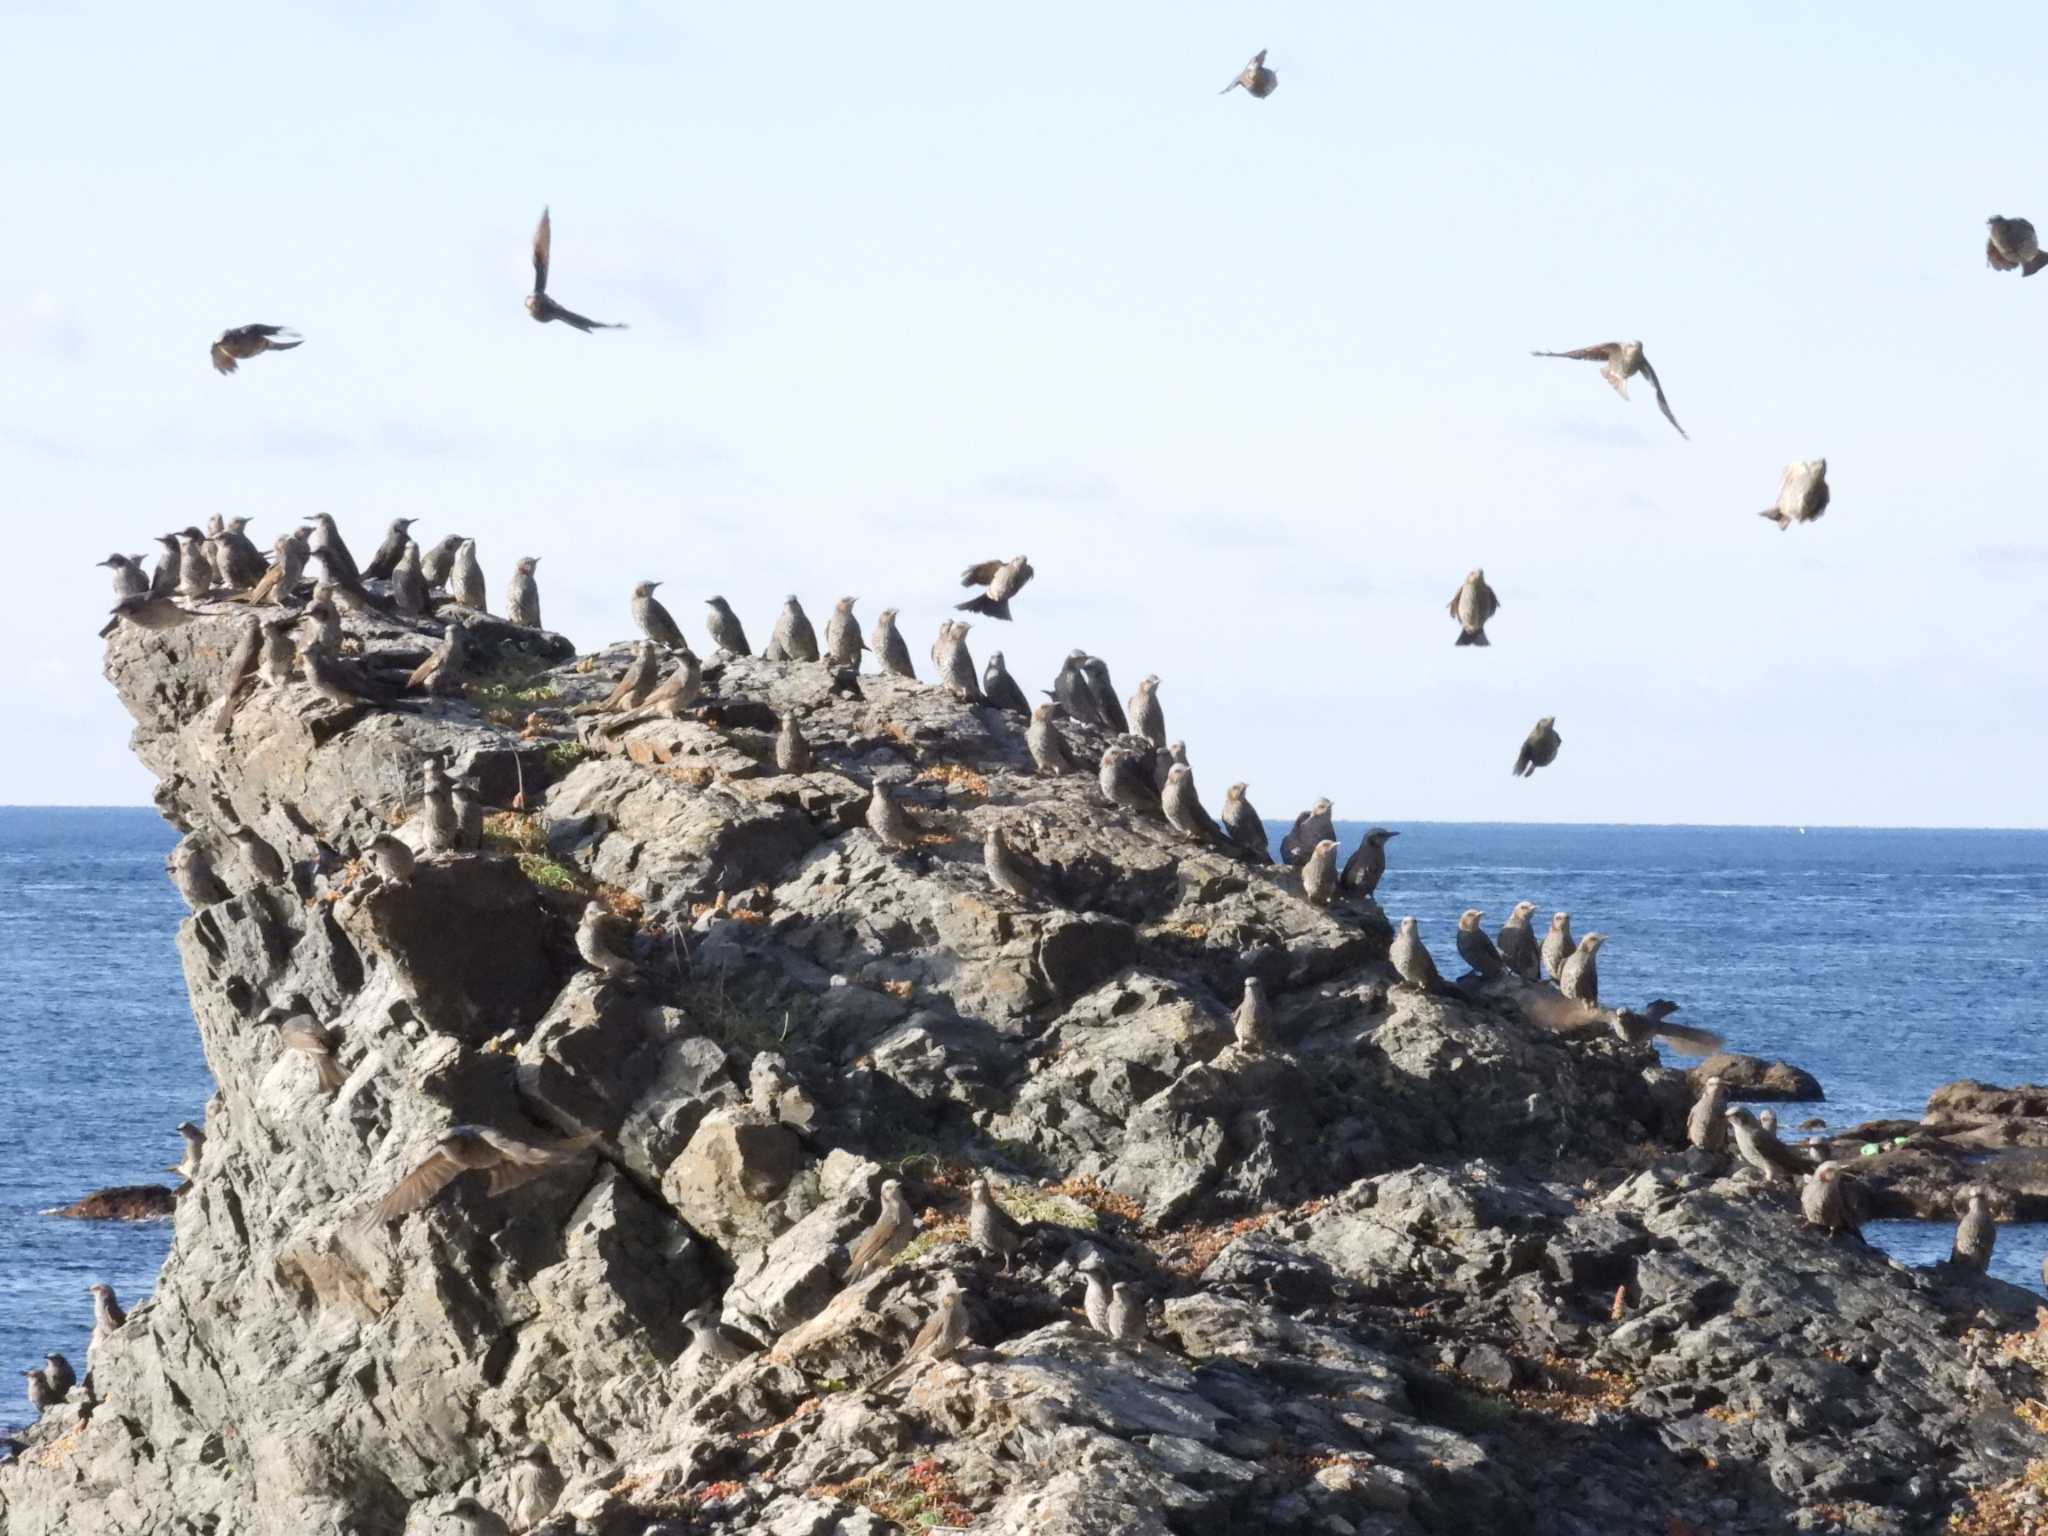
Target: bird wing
pixel 1489 604
pixel 433 1174
pixel 1683 1037
pixel 583 322
pixel 1232 86
pixel 1998 258
pixel 980 575
pixel 222 361
pixel 516 1150
pixel 870 1245
pixel 543 238
pixel 1600 354
pixel 1524 761
pixel 1643 365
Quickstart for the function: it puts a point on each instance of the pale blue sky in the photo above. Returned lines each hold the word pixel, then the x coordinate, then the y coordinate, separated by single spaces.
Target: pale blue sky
pixel 916 285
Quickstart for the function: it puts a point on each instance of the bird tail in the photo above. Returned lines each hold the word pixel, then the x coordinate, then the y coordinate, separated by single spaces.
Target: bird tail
pixel 331 1075
pixel 1693 1042
pixel 992 607
pixel 2039 261
pixel 1777 517
pixel 1473 637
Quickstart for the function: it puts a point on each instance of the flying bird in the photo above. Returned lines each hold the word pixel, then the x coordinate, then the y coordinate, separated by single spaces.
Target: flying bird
pixel 1004 580
pixel 538 304
pixel 1619 362
pixel 2012 244
pixel 1254 77
pixel 1540 749
pixel 1802 494
pixel 243 342
pixel 1472 605
pixel 507 1161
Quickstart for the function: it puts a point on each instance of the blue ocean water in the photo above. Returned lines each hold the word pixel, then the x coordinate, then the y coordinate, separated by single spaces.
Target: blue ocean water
pixel 1885 962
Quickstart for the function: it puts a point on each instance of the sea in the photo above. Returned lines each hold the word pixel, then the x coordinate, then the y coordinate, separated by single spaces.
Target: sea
pixel 1884 962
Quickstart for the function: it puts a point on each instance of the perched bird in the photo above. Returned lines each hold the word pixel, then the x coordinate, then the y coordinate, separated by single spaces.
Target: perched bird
pixel 169 573
pixel 438 813
pixel 39 1394
pixel 191 870
pixel 441 672
pixel 239 562
pixel 1475 948
pixel 538 304
pixel 1163 763
pixel 713 1339
pixel 594 944
pixel 941 1336
pixel 130 580
pixel 1619 362
pixel 59 1376
pixel 1654 1023
pixel 1242 825
pixel 409 593
pixel 187 1165
pixel 1802 494
pixel 1517 945
pixel 1539 750
pixel 242 342
pixel 300 1031
pixel 1048 748
pixel 993 1230
pixel 1826 1202
pixel 1124 783
pixel 1706 1125
pixel 1976 1233
pixel 262 859
pixel 1147 718
pixel 1004 580
pixel 466 578
pixel 1255 78
pixel 793 639
pixel 1580 977
pixel 1126 1313
pixel 1558 944
pixel 653 619
pixel 385 561
pixel 890 823
pixel 2012 244
pixel 955 665
pixel 1767 1118
pixel 1760 1149
pixel 1413 964
pixel 792 752
pixel 509 1162
pixel 843 643
pixel 522 597
pixel 1368 862
pixel 1312 826
pixel 288 555
pixel 149 612
pixel 888 645
pixel 668 698
pixel 893 1228
pixel 633 686
pixel 332 549
pixel 1183 806
pixel 1096 1301
pixel 1103 692
pixel 469 814
pixel 1319 873
pixel 107 1316
pixel 240 674
pixel 534 1488
pixel 1000 689
pixel 1253 1021
pixel 1072 692
pixel 1006 871
pixel 196 577
pixel 1472 605
pixel 438 561
pixel 727 634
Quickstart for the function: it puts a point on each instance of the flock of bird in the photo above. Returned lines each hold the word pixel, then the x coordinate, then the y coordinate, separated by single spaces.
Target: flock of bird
pixel 1138 771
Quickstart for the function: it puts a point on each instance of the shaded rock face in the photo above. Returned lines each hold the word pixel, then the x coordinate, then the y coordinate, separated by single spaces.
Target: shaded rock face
pixel 1422 1267
pixel 124 1202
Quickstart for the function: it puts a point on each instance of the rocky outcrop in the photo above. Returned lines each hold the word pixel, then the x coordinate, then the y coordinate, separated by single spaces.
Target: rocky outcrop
pixel 1428 1265
pixel 123 1202
pixel 1971 1133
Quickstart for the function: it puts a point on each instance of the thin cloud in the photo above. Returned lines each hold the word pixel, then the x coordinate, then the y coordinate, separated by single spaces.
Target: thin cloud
pixel 1598 434
pixel 46 445
pixel 1043 485
pixel 46 327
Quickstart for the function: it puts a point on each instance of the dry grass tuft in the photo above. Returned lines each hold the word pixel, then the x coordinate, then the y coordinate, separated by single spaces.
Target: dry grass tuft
pixel 2014 1507
pixel 918 1496
pixel 1193 1249
pixel 957 778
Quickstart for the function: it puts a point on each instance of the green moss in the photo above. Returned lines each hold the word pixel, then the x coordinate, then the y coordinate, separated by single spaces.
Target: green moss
pixel 561 756
pixel 550 874
pixel 509 693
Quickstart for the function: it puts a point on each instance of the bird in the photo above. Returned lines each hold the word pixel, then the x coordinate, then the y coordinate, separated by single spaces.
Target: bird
pixel 1802 494
pixel 890 823
pixel 1539 750
pixel 1706 1125
pixel 150 612
pixel 1368 862
pixel 299 1031
pixel 1255 78
pixel 1147 718
pixel 889 647
pixel 1472 605
pixel 385 561
pixel 1825 1201
pixel 1048 748
pixel 1124 784
pixel 1253 1021
pixel 1976 1233
pixel 667 699
pixel 58 1376
pixel 39 1394
pixel 727 633
pixel 1006 871
pixel 1580 977
pixel 1312 826
pixel 1000 689
pixel 469 814
pixel 1004 580
pixel 288 555
pixel 1319 873
pixel 195 569
pixel 889 1234
pixel 993 1230
pixel 130 580
pixel 793 639
pixel 1760 1149
pixel 409 593
pixel 1183 807
pixel 441 672
pixel 1242 825
pixel 1767 1118
pixel 1619 362
pixel 191 870
pixel 594 944
pixel 263 860
pixel 239 343
pixel 1126 1313
pixel 241 672
pixel 1072 693
pixel 438 561
pixel 442 821
pixel 107 1316
pixel 955 665
pixel 1517 945
pixel 169 572
pixel 508 1162
pixel 633 686
pixel 792 752
pixel 328 544
pixel 1558 944
pixel 1103 692
pixel 843 643
pixel 1412 962
pixel 534 1487
pixel 1475 948
pixel 942 1334
pixel 244 566
pixel 653 618
pixel 2012 244
pixel 187 1165
pixel 538 303
pixel 1095 1302
pixel 713 1339
pixel 466 578
pixel 522 597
